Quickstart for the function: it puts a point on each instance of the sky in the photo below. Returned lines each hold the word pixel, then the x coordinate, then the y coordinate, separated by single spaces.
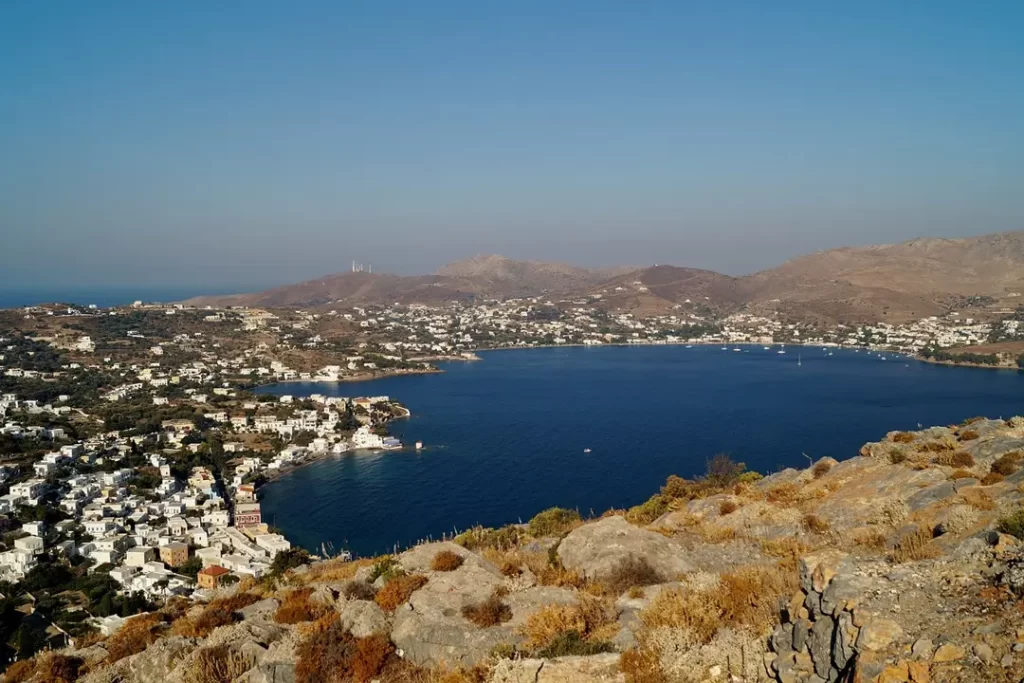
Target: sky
pixel 234 146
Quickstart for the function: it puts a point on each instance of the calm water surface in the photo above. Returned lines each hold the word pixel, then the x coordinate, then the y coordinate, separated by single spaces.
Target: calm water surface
pixel 505 437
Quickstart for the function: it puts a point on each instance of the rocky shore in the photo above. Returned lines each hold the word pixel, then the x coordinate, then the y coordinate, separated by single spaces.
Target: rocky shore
pixel 903 564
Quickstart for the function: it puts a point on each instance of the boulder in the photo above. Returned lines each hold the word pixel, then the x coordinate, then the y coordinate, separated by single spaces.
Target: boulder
pixel 263 609
pixel 594 669
pixel 595 549
pixel 364 618
pixel 418 559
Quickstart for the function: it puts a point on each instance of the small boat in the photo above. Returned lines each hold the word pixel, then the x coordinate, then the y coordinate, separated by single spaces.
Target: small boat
pixel 737 349
pixel 725 348
pixel 782 351
pixel 767 348
pixel 419 445
pixel 586 450
pixel 689 346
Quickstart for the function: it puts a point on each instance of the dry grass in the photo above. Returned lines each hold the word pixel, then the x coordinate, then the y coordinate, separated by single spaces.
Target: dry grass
pixel 785 495
pixel 333 570
pixel 978 499
pixel 217 664
pixel 510 569
pixel 588 618
pixel 335 656
pixel 490 612
pixel 727 507
pixel 642 665
pixel 631 572
pixel 360 590
pixel 821 468
pixel 747 598
pixel 961 474
pixel 134 636
pixel 296 607
pixel 870 538
pixel 552 573
pixel 786 547
pixel 991 478
pixel 934 447
pixel 913 546
pixel 446 561
pixel 816 524
pixel 968 435
pixel 479 538
pixel 217 613
pixel 397 591
pixel 902 437
pixel 46 668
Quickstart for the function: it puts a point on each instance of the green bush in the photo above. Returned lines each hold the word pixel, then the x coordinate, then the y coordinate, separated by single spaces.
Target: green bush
pixel 1012 524
pixel 552 522
pixel 649 510
pixel 387 567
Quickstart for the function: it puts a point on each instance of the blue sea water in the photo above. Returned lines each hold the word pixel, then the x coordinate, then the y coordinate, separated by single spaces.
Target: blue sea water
pixel 505 437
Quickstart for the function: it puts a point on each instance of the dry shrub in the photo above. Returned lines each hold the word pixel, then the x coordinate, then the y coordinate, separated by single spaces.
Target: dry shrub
pixel 991 478
pixel 959 519
pixel 785 547
pixel 586 618
pixel 360 590
pixel 902 437
pixel 816 524
pixel 336 656
pixel 870 538
pixel 398 590
pixel 961 474
pixel 642 665
pixel 218 664
pixel 784 494
pixel 821 468
pixel 914 545
pixel 550 572
pixel 933 447
pixel 333 570
pixel 892 512
pixel 968 435
pixel 490 612
pixel 446 561
pixel 978 499
pixel 510 569
pixel 727 507
pixel 296 607
pixel 20 671
pixel 134 636
pixel 554 522
pixel 1006 464
pixel 746 598
pixel 972 420
pixel 630 572
pixel 962 459
pixel 217 613
pixel 896 456
pixel 478 538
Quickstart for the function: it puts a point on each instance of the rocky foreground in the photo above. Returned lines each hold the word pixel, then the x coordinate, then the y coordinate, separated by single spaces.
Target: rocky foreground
pixel 901 564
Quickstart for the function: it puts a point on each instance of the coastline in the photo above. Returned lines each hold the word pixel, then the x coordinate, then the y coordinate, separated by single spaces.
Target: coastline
pixel 958 364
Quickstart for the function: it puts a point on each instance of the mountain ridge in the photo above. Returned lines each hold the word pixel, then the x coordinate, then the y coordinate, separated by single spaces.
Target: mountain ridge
pixel 867 283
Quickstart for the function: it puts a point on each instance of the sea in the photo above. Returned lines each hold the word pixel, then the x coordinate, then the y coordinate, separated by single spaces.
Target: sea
pixel 599 428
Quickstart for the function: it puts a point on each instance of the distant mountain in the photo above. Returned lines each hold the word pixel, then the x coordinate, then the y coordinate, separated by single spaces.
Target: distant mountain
pixel 851 284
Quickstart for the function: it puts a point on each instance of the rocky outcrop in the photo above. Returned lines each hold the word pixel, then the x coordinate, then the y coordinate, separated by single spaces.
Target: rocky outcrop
pixel 596 549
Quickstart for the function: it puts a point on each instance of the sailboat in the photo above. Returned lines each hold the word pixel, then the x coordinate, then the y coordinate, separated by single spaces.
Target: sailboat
pixel 799 359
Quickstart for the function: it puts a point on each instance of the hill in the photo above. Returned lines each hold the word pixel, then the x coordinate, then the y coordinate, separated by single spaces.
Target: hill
pixel 902 563
pixel 893 282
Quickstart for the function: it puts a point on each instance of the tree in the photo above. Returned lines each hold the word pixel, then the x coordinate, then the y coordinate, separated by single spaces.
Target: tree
pixel 288 559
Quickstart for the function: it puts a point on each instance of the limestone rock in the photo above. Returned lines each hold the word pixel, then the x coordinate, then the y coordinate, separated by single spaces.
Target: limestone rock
pixel 948 653
pixel 878 634
pixel 364 618
pixel 595 549
pixel 263 609
pixel 594 669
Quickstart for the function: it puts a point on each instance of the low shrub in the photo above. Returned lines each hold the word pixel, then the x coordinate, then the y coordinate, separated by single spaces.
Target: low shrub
pixel 870 538
pixel 20 671
pixel 571 643
pixel 631 572
pixel 913 545
pixel 1007 463
pixel 727 507
pixel 821 468
pixel 642 665
pixel 386 567
pixel 219 664
pixel 553 522
pixel 961 474
pixel 217 613
pixel 991 478
pixel 896 456
pixel 134 636
pixel 971 420
pixel 902 437
pixel 478 538
pixel 398 590
pixel 360 590
pixel 510 569
pixel 784 494
pixel 334 655
pixel 46 668
pixel 648 511
pixel 933 447
pixel 490 612
pixel 1012 524
pixel 962 459
pixel 815 524
pixel 547 624
pixel 786 547
pixel 446 561
pixel 296 608
pixel 968 435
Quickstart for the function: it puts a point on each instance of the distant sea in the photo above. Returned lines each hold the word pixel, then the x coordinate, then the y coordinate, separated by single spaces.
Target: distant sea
pixel 102 297
pixel 505 437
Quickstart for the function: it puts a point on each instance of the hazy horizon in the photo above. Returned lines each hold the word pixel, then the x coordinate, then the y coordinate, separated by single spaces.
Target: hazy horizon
pixel 228 148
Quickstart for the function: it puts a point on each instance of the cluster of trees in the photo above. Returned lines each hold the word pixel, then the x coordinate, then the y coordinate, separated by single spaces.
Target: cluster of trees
pixel 961 357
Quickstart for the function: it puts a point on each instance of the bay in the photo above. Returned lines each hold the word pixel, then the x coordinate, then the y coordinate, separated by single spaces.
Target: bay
pixel 505 436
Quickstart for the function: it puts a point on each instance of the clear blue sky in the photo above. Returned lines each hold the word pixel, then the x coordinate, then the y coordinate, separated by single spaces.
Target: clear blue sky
pixel 231 145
